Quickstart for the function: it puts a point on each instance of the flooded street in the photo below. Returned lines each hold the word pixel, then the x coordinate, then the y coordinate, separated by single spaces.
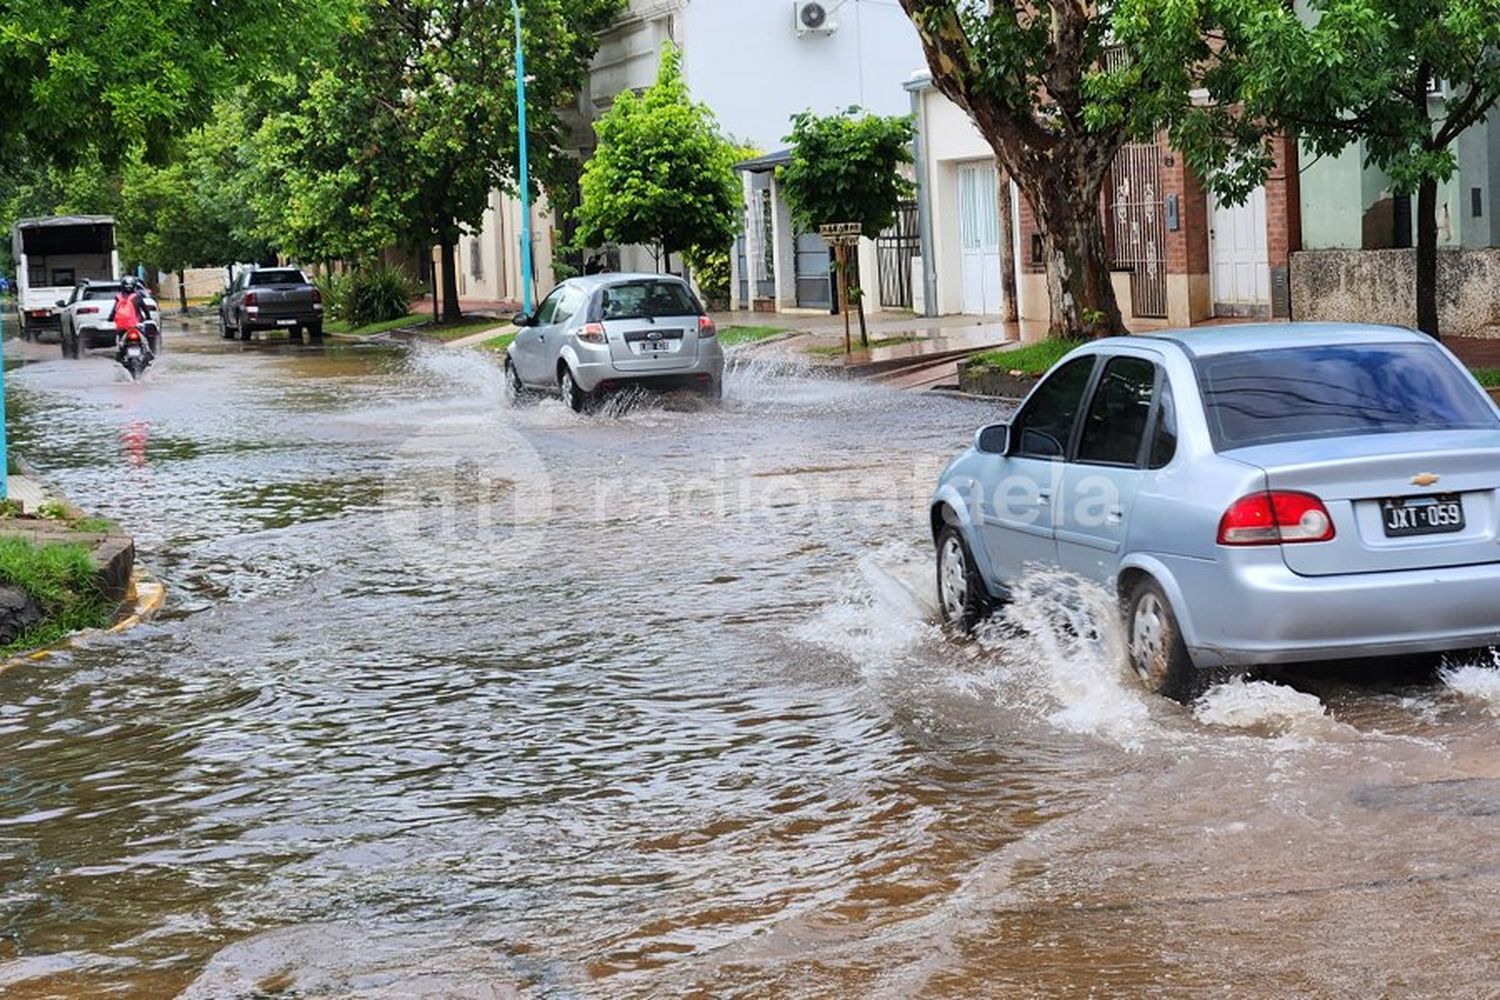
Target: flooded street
pixel 452 698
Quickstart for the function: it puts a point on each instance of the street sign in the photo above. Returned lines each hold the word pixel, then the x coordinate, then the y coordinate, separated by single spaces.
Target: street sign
pixel 845 234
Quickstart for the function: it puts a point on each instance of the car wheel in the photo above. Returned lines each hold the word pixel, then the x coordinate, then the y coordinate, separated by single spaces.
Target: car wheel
pixel 515 389
pixel 315 334
pixel 1157 651
pixel 576 399
pixel 294 335
pixel 225 330
pixel 715 391
pixel 962 596
pixel 244 332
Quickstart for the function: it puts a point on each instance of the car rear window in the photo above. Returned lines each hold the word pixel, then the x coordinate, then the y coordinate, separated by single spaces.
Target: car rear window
pixel 101 292
pixel 646 299
pixel 260 279
pixel 1322 392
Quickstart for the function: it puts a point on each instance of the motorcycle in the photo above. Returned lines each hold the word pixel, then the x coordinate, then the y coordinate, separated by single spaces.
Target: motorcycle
pixel 135 353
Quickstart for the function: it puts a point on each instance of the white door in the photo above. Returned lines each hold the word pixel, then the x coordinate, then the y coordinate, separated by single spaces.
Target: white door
pixel 1241 266
pixel 979 238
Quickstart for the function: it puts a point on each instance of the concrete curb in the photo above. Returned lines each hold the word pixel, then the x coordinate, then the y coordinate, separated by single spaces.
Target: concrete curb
pixel 148 596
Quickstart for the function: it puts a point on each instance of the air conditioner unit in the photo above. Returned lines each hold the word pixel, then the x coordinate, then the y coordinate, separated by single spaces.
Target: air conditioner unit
pixel 814 17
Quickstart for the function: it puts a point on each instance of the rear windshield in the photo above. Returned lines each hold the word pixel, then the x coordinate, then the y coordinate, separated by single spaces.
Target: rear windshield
pixel 643 299
pixel 1323 392
pixel 101 291
pixel 260 279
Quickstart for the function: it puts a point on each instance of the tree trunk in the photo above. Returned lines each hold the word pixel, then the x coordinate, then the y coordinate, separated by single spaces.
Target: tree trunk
pixel 1078 287
pixel 1427 305
pixel 864 330
pixel 1007 208
pixel 451 310
pixel 182 290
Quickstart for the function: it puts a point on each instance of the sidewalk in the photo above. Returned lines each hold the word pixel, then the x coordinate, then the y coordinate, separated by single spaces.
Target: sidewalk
pixel 28 492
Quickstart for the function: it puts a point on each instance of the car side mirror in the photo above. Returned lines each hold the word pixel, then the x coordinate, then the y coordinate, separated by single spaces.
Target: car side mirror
pixel 521 319
pixel 993 440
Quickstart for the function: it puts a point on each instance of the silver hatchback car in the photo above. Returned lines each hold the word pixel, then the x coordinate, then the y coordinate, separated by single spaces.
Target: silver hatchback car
pixel 1256 495
pixel 612 331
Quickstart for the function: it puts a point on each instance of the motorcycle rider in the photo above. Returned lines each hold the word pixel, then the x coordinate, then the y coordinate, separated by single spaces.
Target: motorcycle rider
pixel 130 311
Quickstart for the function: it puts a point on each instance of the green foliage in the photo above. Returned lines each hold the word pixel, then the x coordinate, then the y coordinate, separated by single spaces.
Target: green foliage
pixel 53 510
pixel 1031 359
pixel 62 581
pixel 663 174
pixel 731 335
pixel 334 285
pixel 195 211
pixel 712 272
pixel 116 78
pixel 32 187
pixel 402 135
pixel 374 294
pixel 846 168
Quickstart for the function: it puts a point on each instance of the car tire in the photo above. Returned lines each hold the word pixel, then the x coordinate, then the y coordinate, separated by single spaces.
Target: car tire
pixel 244 331
pixel 225 330
pixel 962 597
pixel 294 335
pixel 315 334
pixel 715 391
pixel 574 397
pixel 1154 643
pixel 515 389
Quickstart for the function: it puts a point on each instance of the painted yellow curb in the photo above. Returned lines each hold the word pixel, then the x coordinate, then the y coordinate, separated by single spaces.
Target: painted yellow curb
pixel 147 595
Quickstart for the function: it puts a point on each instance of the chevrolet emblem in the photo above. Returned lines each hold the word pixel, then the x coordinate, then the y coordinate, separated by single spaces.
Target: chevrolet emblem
pixel 1425 479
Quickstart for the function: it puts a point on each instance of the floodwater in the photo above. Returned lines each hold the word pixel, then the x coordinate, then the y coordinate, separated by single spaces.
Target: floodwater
pixel 457 700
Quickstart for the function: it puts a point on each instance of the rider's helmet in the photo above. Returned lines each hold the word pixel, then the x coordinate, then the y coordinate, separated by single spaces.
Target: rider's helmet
pixel 128 283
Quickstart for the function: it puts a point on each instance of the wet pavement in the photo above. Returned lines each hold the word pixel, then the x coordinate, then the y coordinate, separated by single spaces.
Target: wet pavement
pixel 455 699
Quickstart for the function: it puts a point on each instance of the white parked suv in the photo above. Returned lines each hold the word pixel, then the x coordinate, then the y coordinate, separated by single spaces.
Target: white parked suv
pixel 85 322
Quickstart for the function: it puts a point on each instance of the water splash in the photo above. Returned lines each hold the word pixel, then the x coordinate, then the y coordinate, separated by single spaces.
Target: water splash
pixel 1477 681
pixel 1059 650
pixel 1241 704
pixel 885 619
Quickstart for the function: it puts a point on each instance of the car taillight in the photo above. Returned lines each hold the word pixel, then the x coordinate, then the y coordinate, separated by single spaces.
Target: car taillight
pixel 88 310
pixel 706 327
pixel 592 333
pixel 250 298
pixel 1276 518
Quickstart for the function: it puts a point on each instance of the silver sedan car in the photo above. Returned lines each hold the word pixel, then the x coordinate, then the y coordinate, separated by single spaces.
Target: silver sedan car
pixel 604 332
pixel 1256 495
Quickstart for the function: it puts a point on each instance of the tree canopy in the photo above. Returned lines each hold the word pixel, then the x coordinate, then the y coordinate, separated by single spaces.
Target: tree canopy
pixel 663 173
pixel 401 137
pixel 846 167
pixel 1402 79
pixel 116 78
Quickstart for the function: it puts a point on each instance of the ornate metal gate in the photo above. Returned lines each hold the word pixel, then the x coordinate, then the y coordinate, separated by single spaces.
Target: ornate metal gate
pixel 896 248
pixel 1137 227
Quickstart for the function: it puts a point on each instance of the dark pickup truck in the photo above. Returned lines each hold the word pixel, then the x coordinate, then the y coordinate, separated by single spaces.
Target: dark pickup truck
pixel 272 298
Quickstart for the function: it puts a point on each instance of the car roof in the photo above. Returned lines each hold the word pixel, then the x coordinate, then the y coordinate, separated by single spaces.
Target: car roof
pixel 1204 341
pixel 593 281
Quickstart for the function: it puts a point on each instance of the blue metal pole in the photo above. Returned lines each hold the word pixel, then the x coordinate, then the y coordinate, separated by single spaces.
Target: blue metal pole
pixel 4 457
pixel 515 6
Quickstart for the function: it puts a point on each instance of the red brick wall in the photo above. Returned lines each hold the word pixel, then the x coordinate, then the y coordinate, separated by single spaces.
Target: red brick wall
pixel 1283 203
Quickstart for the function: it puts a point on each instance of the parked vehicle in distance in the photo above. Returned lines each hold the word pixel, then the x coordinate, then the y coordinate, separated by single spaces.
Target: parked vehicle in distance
pixel 604 332
pixel 271 298
pixel 1256 495
pixel 85 322
pixel 53 256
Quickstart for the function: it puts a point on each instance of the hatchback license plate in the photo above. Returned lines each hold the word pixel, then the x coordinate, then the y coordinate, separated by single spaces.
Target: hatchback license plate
pixel 1436 515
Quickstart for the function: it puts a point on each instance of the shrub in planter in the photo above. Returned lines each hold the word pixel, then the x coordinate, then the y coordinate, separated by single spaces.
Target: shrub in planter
pixel 376 294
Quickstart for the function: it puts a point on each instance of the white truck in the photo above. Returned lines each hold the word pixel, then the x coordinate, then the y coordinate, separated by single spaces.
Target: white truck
pixel 55 255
